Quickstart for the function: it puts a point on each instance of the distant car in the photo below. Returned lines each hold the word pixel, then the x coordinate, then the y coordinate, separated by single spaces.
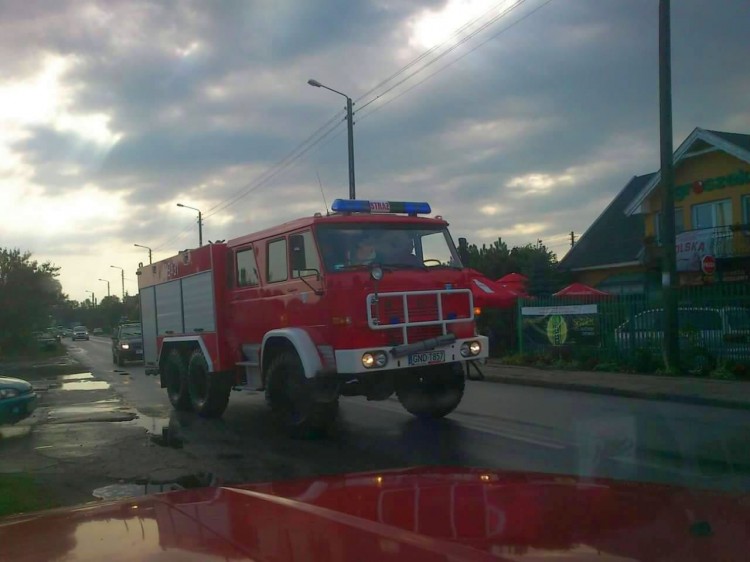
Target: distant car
pixel 80 333
pixel 17 400
pixel 97 331
pixel 127 344
pixel 707 334
pixel 67 333
pixel 46 340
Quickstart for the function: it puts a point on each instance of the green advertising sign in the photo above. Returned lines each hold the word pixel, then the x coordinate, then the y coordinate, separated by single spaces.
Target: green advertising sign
pixel 740 177
pixel 560 325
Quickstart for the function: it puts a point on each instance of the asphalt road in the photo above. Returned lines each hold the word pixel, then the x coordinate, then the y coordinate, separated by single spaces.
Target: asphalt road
pixel 497 426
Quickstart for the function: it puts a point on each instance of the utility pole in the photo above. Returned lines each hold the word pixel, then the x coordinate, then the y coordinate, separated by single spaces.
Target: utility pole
pixel 572 238
pixel 669 273
pixel 122 276
pixel 147 248
pixel 107 282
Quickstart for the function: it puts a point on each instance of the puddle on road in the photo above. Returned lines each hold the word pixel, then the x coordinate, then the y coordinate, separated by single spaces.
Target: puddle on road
pixel 100 411
pixel 8 432
pixel 85 385
pixel 76 377
pixel 152 424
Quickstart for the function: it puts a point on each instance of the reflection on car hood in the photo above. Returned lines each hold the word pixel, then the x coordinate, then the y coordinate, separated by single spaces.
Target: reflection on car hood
pixel 16 384
pixel 412 514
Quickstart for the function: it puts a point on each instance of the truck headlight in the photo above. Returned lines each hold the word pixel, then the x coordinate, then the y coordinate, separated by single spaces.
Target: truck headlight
pixel 374 359
pixel 470 348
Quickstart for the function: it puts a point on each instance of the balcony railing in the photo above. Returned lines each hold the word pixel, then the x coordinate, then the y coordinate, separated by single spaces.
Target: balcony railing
pixel 721 242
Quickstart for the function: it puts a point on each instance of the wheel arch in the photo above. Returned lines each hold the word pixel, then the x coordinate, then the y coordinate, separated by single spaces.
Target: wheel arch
pixel 294 339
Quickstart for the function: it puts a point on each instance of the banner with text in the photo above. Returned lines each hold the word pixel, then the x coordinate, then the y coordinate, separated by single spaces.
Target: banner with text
pixel 560 325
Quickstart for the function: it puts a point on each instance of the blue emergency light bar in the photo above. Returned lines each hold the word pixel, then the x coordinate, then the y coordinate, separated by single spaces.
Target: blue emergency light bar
pixel 362 206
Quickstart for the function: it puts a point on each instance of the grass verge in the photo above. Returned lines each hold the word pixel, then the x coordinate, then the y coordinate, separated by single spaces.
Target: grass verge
pixel 20 493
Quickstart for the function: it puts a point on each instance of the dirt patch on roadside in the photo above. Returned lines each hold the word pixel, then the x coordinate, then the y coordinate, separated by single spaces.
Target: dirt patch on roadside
pixel 35 369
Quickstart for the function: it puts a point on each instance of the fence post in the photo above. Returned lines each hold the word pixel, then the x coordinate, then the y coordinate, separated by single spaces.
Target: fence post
pixel 519 324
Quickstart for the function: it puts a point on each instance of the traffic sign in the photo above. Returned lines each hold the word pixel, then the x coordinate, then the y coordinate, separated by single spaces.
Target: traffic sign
pixel 708 265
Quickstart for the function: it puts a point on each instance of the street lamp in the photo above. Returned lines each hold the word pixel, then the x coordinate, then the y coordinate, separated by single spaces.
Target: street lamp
pixel 147 248
pixel 200 222
pixel 350 131
pixel 107 282
pixel 122 274
pixel 93 297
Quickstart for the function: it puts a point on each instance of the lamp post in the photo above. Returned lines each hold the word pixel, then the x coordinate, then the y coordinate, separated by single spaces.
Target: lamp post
pixel 200 222
pixel 350 131
pixel 93 297
pixel 107 282
pixel 146 248
pixel 122 275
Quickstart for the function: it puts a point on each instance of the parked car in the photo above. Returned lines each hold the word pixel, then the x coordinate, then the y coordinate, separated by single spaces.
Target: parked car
pixel 17 400
pixel 46 339
pixel 80 333
pixel 127 343
pixel 67 333
pixel 707 334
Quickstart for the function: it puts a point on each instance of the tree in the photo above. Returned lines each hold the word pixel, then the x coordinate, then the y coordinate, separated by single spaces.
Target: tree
pixel 29 291
pixel 535 261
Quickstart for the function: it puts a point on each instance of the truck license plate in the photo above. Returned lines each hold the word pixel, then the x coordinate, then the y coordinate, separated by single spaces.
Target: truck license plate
pixel 427 358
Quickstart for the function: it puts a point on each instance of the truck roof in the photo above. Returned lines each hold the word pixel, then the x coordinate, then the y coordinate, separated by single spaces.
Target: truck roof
pixel 338 218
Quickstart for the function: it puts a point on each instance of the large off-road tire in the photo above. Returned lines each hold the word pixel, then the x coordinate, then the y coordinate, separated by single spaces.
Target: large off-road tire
pixel 174 372
pixel 209 392
pixel 292 400
pixel 431 392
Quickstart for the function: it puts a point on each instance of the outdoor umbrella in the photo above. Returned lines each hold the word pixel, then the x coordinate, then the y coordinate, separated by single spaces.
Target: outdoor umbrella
pixel 580 290
pixel 488 294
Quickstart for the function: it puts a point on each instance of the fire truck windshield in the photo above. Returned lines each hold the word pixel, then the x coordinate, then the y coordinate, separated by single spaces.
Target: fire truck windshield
pixel 391 245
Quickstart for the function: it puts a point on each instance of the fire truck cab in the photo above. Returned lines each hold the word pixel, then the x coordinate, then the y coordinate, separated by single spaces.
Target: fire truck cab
pixel 369 300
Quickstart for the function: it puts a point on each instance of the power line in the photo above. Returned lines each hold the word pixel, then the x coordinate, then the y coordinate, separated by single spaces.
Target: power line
pixel 444 67
pixel 429 51
pixel 449 50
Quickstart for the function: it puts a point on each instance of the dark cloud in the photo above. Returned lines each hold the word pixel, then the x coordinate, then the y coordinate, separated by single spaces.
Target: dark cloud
pixel 207 96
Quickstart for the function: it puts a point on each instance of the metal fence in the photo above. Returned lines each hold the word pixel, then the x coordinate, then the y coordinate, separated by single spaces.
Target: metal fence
pixel 714 326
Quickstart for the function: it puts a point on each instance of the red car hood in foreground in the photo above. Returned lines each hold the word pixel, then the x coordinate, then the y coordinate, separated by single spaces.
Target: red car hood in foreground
pixel 413 514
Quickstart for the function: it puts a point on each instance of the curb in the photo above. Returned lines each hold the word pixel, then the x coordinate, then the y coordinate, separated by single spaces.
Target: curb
pixel 612 391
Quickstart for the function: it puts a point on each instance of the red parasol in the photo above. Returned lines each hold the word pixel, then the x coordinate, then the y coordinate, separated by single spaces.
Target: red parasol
pixel 580 290
pixel 488 294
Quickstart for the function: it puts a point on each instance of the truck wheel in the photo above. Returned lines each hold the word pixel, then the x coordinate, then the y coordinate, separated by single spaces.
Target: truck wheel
pixel 292 401
pixel 431 392
pixel 175 376
pixel 209 393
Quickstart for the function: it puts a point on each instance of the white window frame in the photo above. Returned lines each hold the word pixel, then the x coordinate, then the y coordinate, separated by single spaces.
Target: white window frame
pixel 713 204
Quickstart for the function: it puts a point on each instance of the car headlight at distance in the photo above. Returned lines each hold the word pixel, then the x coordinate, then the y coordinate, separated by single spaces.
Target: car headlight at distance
pixel 8 393
pixel 374 359
pixel 471 348
pixel 124 346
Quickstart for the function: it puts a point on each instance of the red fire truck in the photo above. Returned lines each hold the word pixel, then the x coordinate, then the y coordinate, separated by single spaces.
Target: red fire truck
pixel 368 300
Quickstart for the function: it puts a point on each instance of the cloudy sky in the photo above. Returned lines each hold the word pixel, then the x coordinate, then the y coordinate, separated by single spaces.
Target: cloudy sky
pixel 517 118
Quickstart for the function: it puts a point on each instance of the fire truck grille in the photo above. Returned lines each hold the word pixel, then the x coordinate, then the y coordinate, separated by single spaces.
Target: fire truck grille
pixel 414 334
pixel 390 309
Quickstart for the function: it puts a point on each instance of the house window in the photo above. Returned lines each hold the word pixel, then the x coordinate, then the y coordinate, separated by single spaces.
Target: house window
pixel 679 223
pixel 277 269
pixel 746 210
pixel 247 272
pixel 713 214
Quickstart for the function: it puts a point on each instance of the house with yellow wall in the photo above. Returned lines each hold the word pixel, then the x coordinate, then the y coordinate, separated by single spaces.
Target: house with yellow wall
pixel 621 251
pixel 711 206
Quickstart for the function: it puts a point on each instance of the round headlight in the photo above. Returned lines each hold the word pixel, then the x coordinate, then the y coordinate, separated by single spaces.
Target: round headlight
pixel 465 352
pixel 381 359
pixel 376 273
pixel 475 347
pixel 368 360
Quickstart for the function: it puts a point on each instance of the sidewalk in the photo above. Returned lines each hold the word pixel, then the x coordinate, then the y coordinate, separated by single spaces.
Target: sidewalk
pixel 704 392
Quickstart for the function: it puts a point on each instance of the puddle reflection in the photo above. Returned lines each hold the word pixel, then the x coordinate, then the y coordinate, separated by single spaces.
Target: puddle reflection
pixel 8 432
pixel 76 377
pixel 85 385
